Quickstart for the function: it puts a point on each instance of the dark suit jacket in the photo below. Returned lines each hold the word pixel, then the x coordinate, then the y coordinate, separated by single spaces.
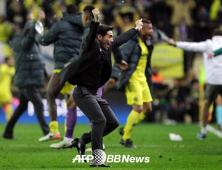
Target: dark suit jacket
pixel 91 54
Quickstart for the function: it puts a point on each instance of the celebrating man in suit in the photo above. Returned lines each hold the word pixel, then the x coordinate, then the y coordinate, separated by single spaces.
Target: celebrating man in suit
pixel 89 72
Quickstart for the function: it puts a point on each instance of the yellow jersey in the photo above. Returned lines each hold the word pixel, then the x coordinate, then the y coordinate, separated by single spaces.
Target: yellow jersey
pixel 139 73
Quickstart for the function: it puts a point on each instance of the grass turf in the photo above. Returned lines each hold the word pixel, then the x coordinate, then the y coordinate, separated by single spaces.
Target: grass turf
pixel 152 141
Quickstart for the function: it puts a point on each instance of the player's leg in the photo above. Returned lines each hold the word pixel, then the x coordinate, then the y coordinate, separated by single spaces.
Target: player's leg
pixel 209 96
pixel 6 102
pixel 8 133
pixel 111 121
pixel 71 119
pixel 87 102
pixel 33 95
pixel 53 89
pixel 99 92
pixel 134 97
pixel 219 111
pixel 111 124
pixel 147 105
pixel 71 116
pixel 8 109
pixel 205 112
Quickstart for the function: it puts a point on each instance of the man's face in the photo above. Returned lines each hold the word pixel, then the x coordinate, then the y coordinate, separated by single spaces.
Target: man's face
pixel 106 40
pixel 10 61
pixel 146 32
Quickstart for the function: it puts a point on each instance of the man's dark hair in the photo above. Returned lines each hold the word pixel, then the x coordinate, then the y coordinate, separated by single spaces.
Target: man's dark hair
pixel 103 29
pixel 71 9
pixel 128 15
pixel 194 81
pixel 217 31
pixel 146 21
pixel 88 9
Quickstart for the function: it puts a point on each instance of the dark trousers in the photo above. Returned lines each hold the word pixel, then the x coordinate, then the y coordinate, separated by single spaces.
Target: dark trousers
pixel 98 112
pixel 28 94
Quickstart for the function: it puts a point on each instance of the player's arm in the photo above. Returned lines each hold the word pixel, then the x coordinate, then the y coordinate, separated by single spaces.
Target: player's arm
pixel 189 46
pixel 114 78
pixel 29 39
pixel 90 38
pixel 118 55
pixel 50 36
pixel 124 37
pixel 115 72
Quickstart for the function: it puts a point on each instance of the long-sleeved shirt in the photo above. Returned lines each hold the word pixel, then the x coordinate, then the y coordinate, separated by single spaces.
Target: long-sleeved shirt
pixel 213 67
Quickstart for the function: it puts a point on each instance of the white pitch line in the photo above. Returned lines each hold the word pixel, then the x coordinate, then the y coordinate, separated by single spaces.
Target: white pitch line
pixel 158 146
pixel 214 131
pixel 151 146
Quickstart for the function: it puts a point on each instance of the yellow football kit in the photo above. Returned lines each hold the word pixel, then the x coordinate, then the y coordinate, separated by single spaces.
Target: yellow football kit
pixel 67 89
pixel 137 90
pixel 6 74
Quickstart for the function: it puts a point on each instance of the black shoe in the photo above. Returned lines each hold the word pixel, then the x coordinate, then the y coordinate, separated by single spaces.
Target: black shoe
pixel 99 157
pixel 121 131
pixel 201 136
pixel 8 136
pixel 80 148
pixel 101 165
pixel 127 143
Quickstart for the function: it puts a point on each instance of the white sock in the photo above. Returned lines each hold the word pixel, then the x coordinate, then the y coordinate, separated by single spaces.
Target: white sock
pixel 204 130
pixel 68 139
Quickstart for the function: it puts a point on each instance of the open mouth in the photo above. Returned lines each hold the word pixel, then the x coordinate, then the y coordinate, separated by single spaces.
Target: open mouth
pixel 107 46
pixel 149 37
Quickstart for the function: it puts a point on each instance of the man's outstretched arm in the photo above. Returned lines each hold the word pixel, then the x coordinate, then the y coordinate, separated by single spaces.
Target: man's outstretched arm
pixel 124 37
pixel 189 46
pixel 90 38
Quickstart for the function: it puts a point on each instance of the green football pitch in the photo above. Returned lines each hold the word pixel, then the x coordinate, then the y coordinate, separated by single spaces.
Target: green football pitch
pixel 152 141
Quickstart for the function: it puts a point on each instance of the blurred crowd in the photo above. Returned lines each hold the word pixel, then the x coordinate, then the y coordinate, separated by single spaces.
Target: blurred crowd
pixel 180 19
pixel 176 103
pixel 183 20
